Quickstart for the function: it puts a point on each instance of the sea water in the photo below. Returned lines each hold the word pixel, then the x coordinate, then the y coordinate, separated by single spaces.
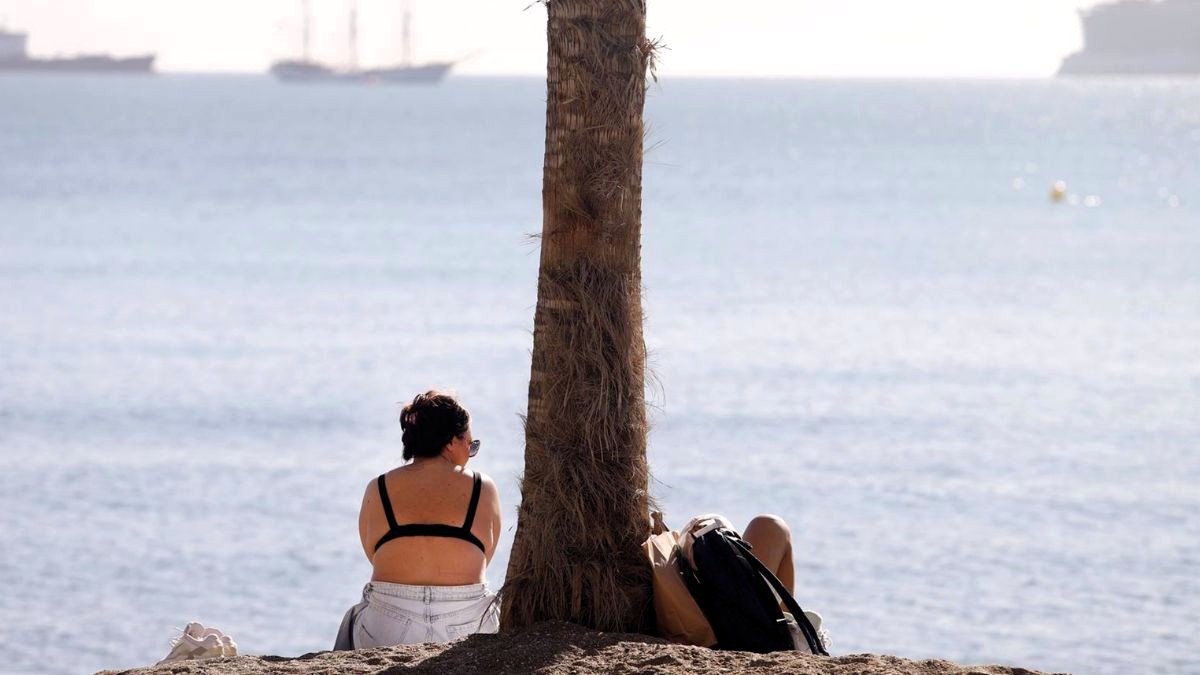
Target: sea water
pixel 978 409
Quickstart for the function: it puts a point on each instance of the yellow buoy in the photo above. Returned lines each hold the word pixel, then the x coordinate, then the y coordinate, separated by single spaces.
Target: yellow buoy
pixel 1058 191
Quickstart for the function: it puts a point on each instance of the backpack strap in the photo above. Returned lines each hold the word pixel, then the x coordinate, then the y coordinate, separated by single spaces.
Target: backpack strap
pixel 806 627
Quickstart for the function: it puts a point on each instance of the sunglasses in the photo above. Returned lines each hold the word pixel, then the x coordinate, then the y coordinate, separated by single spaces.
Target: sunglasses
pixel 473 448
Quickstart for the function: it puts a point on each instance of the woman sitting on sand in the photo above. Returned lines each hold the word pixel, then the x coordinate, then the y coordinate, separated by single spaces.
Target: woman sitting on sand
pixel 430 529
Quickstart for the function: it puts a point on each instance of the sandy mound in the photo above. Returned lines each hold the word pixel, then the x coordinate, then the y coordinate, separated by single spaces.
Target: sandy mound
pixel 567 648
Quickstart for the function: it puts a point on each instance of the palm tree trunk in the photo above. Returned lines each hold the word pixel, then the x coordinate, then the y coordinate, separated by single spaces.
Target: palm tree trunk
pixel 584 495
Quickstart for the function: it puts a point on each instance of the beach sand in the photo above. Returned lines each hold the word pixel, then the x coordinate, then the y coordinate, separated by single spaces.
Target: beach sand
pixel 567 648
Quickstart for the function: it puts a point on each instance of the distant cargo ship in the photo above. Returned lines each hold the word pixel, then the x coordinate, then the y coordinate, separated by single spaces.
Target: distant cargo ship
pixel 305 69
pixel 1139 37
pixel 13 57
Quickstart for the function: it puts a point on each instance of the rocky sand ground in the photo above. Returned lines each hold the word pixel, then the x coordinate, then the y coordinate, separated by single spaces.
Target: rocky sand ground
pixel 566 648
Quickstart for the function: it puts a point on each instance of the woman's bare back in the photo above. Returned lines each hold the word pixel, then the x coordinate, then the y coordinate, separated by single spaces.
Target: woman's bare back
pixel 431 491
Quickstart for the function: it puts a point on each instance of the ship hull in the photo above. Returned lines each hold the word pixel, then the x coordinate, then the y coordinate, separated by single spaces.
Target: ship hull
pixel 80 64
pixel 1165 64
pixel 430 73
pixel 1138 37
pixel 307 72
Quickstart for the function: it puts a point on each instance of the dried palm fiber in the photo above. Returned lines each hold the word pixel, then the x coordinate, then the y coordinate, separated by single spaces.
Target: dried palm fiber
pixel 577 554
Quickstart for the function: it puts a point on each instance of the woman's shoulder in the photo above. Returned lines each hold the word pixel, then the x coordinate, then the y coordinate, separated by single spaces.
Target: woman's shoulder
pixel 392 477
pixel 404 474
pixel 483 477
pixel 488 489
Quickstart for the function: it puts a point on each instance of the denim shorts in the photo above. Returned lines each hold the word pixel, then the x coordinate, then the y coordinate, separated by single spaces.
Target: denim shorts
pixel 402 614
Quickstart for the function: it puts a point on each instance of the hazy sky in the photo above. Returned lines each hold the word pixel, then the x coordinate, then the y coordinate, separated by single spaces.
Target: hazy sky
pixel 829 38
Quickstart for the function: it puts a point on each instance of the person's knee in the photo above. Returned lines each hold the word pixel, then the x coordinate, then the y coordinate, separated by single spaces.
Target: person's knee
pixel 771 525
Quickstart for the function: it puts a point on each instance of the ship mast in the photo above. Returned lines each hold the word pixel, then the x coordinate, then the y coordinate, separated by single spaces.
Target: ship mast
pixel 406 37
pixel 353 35
pixel 306 11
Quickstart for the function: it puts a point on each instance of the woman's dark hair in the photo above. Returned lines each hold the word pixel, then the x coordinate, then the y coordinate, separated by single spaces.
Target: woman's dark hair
pixel 431 421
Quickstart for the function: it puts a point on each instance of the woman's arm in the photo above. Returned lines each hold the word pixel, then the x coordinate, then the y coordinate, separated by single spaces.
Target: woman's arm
pixel 491 495
pixel 368 504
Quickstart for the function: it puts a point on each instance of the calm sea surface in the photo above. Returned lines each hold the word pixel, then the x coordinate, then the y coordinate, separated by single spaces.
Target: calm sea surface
pixel 980 411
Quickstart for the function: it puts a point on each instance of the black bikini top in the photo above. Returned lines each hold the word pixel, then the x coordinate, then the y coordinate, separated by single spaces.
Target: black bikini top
pixel 395 530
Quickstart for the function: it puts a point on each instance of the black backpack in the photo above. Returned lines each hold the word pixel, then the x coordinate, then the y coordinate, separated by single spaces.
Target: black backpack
pixel 734 590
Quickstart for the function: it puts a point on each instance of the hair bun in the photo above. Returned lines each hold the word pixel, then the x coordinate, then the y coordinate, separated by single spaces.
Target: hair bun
pixel 432 420
pixel 408 417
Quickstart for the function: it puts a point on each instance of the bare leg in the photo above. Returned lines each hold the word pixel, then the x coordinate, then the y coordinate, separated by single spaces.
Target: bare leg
pixel 771 540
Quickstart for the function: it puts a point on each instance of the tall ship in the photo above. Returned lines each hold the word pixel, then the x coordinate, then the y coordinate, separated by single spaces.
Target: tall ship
pixel 14 57
pixel 1138 37
pixel 306 70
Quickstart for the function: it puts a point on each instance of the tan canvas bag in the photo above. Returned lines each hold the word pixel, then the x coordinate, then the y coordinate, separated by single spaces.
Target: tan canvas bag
pixel 678 616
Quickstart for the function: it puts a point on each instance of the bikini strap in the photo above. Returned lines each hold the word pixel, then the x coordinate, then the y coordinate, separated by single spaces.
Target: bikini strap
pixel 474 503
pixel 387 503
